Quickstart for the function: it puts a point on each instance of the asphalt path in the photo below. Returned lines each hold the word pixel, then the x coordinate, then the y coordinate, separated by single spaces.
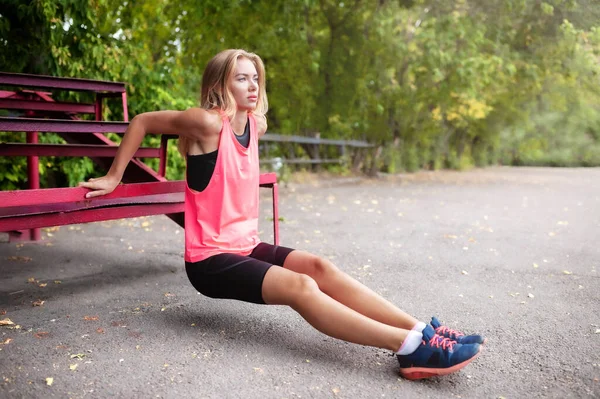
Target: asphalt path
pixel 105 309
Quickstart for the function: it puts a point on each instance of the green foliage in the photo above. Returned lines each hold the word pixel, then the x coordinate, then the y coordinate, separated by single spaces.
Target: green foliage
pixel 435 83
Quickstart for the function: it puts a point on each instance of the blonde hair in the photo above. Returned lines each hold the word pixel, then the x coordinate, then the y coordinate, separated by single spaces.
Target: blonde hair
pixel 215 92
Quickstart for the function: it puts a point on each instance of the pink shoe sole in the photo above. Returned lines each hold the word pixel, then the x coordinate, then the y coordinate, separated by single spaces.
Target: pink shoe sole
pixel 417 373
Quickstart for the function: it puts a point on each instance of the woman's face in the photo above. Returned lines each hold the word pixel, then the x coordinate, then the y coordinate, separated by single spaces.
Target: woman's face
pixel 243 84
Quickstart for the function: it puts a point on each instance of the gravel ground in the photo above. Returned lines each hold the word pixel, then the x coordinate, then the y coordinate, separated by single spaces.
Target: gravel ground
pixel 105 309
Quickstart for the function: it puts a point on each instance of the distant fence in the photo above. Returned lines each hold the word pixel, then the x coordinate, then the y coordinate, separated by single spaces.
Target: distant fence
pixel 302 150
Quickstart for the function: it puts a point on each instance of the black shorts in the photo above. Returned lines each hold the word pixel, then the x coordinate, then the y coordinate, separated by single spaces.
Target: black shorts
pixel 233 276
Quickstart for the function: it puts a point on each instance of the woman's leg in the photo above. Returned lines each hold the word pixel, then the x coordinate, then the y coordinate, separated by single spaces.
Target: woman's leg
pixel 346 290
pixel 301 292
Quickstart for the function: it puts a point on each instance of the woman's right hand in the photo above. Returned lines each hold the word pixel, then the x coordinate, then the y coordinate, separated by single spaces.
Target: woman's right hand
pixel 100 185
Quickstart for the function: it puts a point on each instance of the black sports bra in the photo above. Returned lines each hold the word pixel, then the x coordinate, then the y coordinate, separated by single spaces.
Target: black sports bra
pixel 200 167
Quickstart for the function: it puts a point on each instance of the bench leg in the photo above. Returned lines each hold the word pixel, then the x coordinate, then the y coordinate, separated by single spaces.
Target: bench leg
pixel 125 111
pixel 33 174
pixel 275 214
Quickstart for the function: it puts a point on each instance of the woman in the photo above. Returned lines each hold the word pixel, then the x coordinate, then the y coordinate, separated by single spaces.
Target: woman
pixel 223 254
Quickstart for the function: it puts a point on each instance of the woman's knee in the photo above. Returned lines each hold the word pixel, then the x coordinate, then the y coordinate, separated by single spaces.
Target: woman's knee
pixel 322 268
pixel 303 287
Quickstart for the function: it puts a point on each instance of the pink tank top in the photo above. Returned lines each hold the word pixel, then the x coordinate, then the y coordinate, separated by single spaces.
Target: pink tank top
pixel 223 218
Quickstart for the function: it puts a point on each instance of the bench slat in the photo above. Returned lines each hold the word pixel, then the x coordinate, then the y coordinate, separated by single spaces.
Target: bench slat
pixel 87 216
pixel 35 105
pixel 77 194
pixel 66 207
pixel 71 150
pixel 60 126
pixel 53 82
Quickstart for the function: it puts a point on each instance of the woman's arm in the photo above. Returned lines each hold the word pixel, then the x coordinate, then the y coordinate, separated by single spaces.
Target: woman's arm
pixel 194 123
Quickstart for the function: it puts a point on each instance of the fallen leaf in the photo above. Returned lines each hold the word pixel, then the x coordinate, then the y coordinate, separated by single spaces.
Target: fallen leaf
pixel 19 258
pixel 258 369
pixel 73 366
pixel 168 294
pixel 6 322
pixel 57 282
pixel 100 330
pixel 7 341
pixel 42 285
pixel 465 272
pixel 78 356
pixel 41 334
pixel 567 272
pixel 39 302
pixel 450 236
pixel 90 318
pixel 49 381
pixel 31 280
pixel 335 391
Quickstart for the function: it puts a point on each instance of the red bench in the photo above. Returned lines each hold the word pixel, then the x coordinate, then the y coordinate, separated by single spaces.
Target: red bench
pixel 27 209
pixel 146 192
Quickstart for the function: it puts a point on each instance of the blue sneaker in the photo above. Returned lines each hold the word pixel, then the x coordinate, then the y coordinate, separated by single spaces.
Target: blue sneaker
pixel 455 335
pixel 435 356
